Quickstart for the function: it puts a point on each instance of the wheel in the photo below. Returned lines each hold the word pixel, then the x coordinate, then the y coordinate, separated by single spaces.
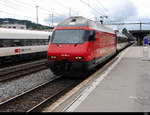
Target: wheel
pixel 56 69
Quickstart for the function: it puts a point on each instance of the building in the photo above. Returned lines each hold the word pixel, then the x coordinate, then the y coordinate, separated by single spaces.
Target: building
pixel 7 24
pixel 140 34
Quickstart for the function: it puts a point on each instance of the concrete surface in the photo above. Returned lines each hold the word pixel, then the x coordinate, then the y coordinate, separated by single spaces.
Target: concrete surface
pixel 126 88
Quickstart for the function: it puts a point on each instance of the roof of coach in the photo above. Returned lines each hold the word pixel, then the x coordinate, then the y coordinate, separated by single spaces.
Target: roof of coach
pixel 121 35
pixel 80 21
pixel 27 34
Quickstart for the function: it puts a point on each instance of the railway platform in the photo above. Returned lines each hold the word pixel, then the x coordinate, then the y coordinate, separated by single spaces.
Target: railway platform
pixel 123 87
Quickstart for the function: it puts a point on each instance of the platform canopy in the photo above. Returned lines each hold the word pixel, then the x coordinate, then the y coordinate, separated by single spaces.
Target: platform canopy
pixel 139 34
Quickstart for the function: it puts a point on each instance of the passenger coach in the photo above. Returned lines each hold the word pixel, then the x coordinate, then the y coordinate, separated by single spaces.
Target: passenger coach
pixel 18 45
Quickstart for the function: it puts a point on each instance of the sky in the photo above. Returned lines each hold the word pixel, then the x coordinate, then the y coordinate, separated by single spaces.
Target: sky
pixel 116 10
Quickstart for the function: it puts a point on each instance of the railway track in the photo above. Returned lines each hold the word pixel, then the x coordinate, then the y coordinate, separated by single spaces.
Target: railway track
pixel 36 99
pixel 46 94
pixel 31 101
pixel 22 69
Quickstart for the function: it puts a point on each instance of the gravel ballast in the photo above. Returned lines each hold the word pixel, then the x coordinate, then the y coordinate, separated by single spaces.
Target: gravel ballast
pixel 14 87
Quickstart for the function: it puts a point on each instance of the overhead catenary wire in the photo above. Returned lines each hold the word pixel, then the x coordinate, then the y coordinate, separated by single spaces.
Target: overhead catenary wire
pixel 97 11
pixel 47 11
pixel 24 5
pixel 19 12
pixel 41 8
pixel 11 8
pixel 104 8
pixel 91 7
pixel 44 10
pixel 60 5
pixel 98 7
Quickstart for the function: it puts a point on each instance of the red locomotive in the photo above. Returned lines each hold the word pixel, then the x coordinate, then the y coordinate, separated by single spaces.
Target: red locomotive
pixel 78 44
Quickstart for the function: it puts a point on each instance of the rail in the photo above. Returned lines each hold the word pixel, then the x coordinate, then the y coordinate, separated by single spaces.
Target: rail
pixel 23 69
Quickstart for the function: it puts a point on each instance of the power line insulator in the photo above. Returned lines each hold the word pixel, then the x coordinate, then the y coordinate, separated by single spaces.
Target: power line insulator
pixel 102 22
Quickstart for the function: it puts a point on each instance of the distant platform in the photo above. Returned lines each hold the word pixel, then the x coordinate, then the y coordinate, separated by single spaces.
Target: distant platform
pixel 124 87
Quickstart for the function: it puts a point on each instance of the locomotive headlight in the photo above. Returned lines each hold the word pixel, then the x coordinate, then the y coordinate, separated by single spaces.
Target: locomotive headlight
pixel 79 58
pixel 52 57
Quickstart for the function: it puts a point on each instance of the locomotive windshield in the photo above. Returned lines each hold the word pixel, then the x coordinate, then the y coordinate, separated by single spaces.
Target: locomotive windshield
pixel 68 37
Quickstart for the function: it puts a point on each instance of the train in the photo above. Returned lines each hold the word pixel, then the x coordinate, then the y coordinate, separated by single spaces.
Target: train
pixel 78 44
pixel 122 41
pixel 18 45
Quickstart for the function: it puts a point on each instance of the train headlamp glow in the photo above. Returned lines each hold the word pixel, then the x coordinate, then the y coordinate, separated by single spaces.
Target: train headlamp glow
pixel 52 57
pixel 79 58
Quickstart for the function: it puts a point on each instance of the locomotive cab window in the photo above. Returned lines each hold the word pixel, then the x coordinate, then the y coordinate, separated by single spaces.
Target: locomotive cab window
pixel 92 35
pixel 68 37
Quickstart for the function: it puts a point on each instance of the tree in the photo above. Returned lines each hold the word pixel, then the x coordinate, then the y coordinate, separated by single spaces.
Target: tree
pixel 125 31
pixel 129 35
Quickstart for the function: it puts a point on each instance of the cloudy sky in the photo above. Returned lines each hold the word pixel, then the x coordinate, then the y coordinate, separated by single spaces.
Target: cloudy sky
pixel 116 10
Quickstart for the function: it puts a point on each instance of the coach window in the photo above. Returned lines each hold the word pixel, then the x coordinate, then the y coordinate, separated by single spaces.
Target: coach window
pixel 29 43
pixel 22 27
pixel 39 43
pixel 13 43
pixel 7 43
pixel 1 43
pixel 121 40
pixel 21 43
pixel 46 42
pixel 25 42
pixel 33 42
pixel 36 42
pixel 43 42
pixel 16 43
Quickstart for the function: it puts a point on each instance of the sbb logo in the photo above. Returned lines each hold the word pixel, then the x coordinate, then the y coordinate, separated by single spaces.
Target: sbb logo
pixel 17 50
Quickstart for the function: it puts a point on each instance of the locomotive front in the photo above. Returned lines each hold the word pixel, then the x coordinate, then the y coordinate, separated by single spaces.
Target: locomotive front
pixel 69 49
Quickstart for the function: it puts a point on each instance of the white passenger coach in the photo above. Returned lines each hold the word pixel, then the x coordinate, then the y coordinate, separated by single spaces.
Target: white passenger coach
pixel 18 44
